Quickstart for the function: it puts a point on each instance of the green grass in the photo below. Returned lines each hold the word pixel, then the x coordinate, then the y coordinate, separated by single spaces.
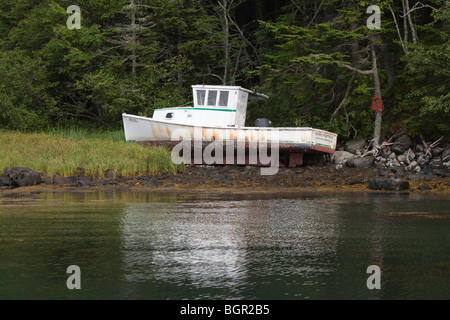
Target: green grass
pixel 64 151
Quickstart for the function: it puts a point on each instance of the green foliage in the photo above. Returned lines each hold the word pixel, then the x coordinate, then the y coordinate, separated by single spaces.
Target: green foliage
pixel 25 102
pixel 303 77
pixel 424 104
pixel 291 50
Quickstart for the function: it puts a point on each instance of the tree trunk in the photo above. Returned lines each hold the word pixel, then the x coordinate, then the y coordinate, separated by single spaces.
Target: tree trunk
pixel 378 116
pixel 411 24
pixel 405 49
pixel 405 22
pixel 226 41
pixel 133 39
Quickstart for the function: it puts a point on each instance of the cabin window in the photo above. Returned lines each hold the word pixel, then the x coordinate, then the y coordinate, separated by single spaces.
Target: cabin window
pixel 212 97
pixel 201 94
pixel 223 98
pixel 169 115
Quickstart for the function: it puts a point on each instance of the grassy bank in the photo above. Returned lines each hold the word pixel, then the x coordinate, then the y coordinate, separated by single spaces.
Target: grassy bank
pixel 63 151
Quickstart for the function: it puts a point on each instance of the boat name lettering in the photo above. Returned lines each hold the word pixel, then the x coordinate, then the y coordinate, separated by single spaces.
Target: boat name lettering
pixel 324 137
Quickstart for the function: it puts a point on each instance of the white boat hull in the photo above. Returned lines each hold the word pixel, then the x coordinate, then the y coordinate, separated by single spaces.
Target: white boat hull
pixel 288 140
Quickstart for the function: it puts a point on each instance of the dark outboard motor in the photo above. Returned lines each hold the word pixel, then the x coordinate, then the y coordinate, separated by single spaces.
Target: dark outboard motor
pixel 263 122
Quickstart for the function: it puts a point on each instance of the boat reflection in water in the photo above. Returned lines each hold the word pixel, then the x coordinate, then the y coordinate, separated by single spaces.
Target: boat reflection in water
pixel 227 247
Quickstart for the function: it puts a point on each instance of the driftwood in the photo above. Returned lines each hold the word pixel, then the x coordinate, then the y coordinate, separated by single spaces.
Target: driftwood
pixel 376 149
pixel 429 147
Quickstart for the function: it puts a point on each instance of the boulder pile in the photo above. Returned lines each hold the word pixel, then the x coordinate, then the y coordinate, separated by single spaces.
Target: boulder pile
pixel 400 157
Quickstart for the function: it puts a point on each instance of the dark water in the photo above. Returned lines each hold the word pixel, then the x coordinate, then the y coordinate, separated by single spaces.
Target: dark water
pixel 167 246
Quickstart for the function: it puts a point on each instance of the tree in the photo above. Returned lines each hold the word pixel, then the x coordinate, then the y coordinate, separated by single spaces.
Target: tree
pixel 305 66
pixel 25 101
pixel 316 60
pixel 424 99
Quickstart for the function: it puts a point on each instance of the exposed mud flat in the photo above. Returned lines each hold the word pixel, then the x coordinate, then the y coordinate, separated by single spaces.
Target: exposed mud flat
pixel 244 179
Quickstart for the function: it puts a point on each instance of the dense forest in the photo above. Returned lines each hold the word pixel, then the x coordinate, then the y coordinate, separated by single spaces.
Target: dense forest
pixel 317 60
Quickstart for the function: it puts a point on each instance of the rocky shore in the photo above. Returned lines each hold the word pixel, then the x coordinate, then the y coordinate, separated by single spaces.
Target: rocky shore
pixel 395 166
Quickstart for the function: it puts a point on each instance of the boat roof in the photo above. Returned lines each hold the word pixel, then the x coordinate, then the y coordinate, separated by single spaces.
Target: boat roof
pixel 253 94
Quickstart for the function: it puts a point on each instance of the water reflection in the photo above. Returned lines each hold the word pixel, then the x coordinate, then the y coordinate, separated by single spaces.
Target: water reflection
pixel 195 244
pixel 230 245
pixel 143 245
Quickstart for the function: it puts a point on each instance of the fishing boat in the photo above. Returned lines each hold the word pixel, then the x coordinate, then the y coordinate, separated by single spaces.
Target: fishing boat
pixel 217 118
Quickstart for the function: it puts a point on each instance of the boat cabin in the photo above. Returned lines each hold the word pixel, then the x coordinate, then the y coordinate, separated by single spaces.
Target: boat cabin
pixel 218 106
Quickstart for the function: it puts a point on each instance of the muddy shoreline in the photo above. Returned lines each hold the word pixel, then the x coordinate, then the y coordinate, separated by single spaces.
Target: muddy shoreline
pixel 248 179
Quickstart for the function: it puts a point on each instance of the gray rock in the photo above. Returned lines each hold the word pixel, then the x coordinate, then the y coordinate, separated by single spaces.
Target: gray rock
pixel 426 169
pixel 410 155
pixel 436 163
pixel 412 166
pixel 45 180
pixel 365 162
pixel 402 158
pixel 395 163
pixel 383 173
pixel 415 176
pixel 353 145
pixel 101 182
pixel 380 165
pixel 429 177
pixel 83 182
pixel 423 160
pixel 109 175
pixel 60 180
pixel 437 151
pixel 397 168
pixel 154 184
pixel 441 172
pixel 5 181
pixel 19 177
pixel 400 173
pixel 392 156
pixel 420 148
pixel 424 187
pixel 355 181
pixel 446 153
pixel 388 184
pixel 385 152
pixel 341 157
pixel 402 144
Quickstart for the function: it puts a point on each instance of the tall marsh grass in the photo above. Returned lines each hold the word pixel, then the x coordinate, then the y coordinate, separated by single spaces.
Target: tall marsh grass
pixel 64 151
